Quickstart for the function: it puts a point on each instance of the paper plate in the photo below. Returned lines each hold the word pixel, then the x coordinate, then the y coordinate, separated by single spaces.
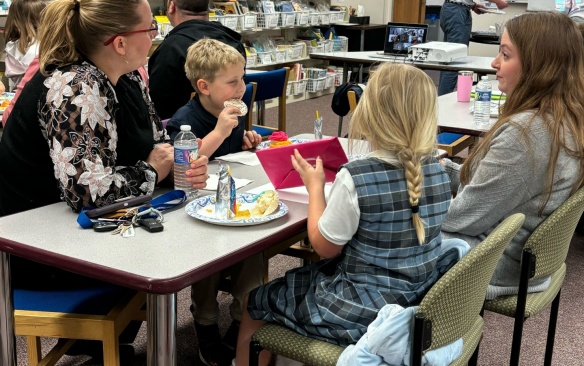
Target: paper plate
pixel 203 208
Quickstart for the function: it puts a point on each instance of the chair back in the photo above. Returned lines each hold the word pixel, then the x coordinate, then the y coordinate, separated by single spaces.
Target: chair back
pixel 352 100
pixel 248 98
pixel 454 302
pixel 270 85
pixel 551 239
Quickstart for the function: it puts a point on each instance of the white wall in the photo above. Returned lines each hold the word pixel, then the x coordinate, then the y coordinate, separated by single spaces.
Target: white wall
pixel 379 11
pixel 484 21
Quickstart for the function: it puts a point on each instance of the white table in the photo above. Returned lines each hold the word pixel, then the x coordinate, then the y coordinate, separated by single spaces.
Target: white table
pixel 478 64
pixel 455 116
pixel 160 264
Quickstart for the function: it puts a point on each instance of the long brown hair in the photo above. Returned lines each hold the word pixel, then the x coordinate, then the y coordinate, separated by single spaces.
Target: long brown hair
pixel 398 113
pixel 551 84
pixel 22 21
pixel 71 28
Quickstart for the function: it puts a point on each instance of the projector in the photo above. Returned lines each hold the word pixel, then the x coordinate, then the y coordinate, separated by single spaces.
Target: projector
pixel 437 52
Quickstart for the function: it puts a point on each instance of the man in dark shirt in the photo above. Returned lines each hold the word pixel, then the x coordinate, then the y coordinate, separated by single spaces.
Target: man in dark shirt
pixel 169 87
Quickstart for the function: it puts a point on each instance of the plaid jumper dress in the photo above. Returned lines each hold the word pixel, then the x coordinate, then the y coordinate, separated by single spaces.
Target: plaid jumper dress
pixel 335 300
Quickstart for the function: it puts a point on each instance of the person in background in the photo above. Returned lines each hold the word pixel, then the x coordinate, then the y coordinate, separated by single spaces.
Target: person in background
pixel 575 9
pixel 216 72
pixel 456 23
pixel 20 33
pixel 379 228
pixel 532 159
pixel 169 87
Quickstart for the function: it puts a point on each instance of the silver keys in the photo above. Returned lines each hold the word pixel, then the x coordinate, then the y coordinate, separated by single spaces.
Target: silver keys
pixel 125 226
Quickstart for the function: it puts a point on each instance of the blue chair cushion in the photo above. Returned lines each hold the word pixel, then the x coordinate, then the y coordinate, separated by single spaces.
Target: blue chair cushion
pixel 446 138
pixel 97 299
pixel 262 131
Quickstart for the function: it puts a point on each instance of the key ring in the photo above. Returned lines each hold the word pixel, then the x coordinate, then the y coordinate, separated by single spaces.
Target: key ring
pixel 148 212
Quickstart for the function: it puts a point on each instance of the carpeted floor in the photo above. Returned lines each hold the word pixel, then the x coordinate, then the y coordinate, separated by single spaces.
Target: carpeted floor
pixel 496 344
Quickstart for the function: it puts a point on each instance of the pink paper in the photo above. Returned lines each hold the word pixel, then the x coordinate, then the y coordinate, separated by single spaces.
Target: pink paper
pixel 278 166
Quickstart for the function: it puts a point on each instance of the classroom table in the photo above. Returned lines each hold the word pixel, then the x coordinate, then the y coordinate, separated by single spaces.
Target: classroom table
pixel 455 116
pixel 478 64
pixel 160 264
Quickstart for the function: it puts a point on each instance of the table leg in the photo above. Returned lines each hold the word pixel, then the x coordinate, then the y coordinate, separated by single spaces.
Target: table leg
pixel 161 350
pixel 7 341
pixel 345 79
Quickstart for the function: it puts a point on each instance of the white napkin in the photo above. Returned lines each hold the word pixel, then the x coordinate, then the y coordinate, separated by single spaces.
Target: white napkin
pixel 242 157
pixel 296 194
pixel 213 181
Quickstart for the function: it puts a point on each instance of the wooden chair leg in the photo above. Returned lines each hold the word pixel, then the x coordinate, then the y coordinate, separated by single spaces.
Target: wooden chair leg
pixel 549 347
pixel 111 350
pixel 34 350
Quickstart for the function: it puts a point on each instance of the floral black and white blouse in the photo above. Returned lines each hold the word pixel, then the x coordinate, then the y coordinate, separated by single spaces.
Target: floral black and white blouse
pixel 98 135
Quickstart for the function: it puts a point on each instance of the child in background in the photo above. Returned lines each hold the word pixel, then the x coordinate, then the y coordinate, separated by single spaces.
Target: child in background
pixel 380 228
pixel 20 34
pixel 216 71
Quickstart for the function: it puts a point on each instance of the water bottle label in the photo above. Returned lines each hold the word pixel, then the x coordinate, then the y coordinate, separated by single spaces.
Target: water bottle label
pixel 483 96
pixel 185 155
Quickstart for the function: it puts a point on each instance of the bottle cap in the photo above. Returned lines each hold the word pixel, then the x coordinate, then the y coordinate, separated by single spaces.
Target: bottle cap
pixel 185 127
pixel 484 77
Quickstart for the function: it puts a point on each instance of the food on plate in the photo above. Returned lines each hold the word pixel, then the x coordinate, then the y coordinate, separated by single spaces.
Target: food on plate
pixel 266 203
pixel 237 103
pixel 5 103
pixel 279 139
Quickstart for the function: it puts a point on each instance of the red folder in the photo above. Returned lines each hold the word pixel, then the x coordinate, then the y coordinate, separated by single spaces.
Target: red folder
pixel 278 166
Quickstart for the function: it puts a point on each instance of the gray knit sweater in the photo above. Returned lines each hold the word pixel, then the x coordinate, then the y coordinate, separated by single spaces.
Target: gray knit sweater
pixel 509 179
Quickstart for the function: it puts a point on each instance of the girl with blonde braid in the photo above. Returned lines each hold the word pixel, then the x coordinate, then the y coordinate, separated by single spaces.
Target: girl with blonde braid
pixel 379 228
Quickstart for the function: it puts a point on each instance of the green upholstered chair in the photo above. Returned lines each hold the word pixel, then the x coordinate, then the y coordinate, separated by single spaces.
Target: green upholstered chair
pixel 544 255
pixel 449 311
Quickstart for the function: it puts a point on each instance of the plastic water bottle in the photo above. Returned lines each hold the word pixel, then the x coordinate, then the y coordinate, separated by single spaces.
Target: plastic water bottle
pixel 186 150
pixel 482 104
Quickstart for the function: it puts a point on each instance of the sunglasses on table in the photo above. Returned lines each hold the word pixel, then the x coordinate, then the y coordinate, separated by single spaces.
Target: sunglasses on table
pixel 153 32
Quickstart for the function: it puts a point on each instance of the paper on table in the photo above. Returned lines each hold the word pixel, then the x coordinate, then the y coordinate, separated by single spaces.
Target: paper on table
pixel 214 180
pixel 242 157
pixel 296 194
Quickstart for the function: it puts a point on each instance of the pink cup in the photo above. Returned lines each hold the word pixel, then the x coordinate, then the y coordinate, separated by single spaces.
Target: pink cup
pixel 464 86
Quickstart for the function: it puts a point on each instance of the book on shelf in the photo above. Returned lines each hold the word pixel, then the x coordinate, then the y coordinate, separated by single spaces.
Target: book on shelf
pixel 268 6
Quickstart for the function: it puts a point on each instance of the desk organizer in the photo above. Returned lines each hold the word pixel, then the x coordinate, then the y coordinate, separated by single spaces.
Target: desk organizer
pixel 268 21
pixel 314 19
pixel 315 85
pixel 247 21
pixel 230 21
pixel 340 44
pixel 302 17
pixel 279 56
pixel 337 16
pixel 264 58
pixel 287 19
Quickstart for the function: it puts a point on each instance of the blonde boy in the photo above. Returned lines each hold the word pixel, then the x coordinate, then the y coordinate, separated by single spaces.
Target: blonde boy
pixel 216 72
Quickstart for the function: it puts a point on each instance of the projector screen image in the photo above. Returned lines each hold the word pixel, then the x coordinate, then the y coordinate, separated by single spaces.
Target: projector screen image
pixel 402 38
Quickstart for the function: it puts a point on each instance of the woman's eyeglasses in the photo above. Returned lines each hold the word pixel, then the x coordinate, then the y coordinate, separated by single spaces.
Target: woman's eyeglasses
pixel 153 32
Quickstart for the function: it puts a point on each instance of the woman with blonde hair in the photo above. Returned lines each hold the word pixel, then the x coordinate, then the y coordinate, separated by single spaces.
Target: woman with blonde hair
pixel 20 33
pixel 531 160
pixel 380 226
pixel 85 128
